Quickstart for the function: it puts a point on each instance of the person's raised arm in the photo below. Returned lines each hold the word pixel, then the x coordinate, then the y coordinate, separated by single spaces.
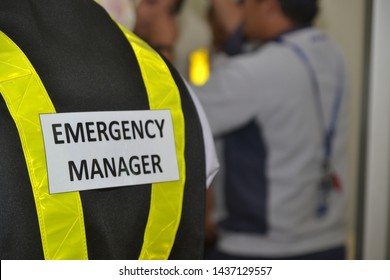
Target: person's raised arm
pixel 228 13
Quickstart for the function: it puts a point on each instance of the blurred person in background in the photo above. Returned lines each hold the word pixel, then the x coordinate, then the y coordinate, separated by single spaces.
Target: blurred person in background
pixel 281 111
pixel 225 21
pixel 154 21
pixel 120 10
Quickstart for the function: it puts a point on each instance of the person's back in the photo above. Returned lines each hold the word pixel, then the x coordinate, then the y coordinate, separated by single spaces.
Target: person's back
pixel 268 106
pixel 87 65
pixel 288 164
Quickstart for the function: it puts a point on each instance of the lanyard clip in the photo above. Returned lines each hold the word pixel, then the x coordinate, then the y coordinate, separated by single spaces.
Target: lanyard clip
pixel 328 182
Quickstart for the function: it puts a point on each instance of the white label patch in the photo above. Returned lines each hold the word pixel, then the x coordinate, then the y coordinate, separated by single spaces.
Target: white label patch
pixel 95 150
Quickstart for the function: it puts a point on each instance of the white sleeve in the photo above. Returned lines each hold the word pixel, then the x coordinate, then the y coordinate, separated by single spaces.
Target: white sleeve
pixel 230 97
pixel 212 164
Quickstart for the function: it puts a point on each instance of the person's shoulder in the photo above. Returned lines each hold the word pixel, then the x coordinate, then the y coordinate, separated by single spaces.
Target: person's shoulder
pixel 311 37
pixel 271 58
pixel 261 57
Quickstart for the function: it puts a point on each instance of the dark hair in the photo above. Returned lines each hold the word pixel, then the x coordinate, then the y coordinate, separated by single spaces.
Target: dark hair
pixel 302 12
pixel 179 5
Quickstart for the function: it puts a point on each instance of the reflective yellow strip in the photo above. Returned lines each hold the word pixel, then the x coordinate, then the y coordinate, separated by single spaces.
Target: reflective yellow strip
pixel 167 198
pixel 60 216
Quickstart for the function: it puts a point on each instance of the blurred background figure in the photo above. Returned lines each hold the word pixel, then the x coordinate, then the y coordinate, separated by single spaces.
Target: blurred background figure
pixel 281 111
pixel 226 23
pixel 154 21
pixel 225 19
pixel 121 10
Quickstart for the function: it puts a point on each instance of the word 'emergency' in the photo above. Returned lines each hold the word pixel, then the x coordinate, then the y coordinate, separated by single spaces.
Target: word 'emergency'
pixel 111 131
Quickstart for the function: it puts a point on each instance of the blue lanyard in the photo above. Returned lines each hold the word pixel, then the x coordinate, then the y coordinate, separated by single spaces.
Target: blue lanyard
pixel 330 132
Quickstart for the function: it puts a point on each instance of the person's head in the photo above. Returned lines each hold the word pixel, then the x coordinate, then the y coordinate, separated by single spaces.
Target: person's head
pixel 266 19
pixel 148 10
pixel 301 12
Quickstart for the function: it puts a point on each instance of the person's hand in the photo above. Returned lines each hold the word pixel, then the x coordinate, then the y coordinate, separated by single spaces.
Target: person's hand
pixel 163 34
pixel 156 24
pixel 228 14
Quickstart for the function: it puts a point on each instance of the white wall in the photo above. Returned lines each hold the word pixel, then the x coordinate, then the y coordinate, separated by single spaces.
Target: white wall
pixel 344 21
pixel 378 145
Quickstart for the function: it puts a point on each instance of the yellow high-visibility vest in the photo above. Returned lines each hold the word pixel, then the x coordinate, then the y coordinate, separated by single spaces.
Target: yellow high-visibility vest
pixel 60 216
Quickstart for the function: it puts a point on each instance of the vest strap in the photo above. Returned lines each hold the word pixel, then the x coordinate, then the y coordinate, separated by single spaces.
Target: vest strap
pixel 60 216
pixel 167 198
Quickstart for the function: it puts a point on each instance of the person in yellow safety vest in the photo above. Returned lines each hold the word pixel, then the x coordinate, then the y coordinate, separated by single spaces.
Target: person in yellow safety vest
pixel 106 154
